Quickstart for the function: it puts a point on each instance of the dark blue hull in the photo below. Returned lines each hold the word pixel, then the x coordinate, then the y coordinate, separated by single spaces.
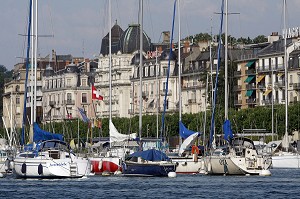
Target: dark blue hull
pixel 147 169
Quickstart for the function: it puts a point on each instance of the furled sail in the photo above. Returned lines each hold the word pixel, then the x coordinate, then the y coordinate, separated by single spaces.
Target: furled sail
pixel 41 135
pixel 115 136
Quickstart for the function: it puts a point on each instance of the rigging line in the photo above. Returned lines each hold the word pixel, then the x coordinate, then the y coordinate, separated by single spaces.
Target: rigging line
pixel 151 24
pixel 217 75
pixel 27 70
pixel 168 71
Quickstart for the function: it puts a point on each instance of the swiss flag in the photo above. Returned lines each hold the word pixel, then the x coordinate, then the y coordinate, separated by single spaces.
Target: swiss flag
pixel 96 94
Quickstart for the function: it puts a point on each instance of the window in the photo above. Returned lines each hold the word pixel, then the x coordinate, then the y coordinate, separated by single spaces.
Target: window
pixel 83 82
pixel 17 100
pixel 165 71
pixel 69 96
pixel 68 82
pixel 84 98
pixel 151 88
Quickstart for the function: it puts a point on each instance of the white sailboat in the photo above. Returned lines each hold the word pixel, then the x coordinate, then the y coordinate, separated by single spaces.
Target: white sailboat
pixel 287 157
pixel 50 156
pixel 238 155
pixel 187 161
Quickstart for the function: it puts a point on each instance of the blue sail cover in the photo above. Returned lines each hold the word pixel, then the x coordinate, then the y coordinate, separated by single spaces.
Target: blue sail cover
pixel 227 130
pixel 151 155
pixel 184 132
pixel 41 135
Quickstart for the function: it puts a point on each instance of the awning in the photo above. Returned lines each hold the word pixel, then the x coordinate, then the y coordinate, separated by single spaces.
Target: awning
pixel 267 92
pixel 259 78
pixel 249 79
pixel 249 93
pixel 280 74
pixel 249 63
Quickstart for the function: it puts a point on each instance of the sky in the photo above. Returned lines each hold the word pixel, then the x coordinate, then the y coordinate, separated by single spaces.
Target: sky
pixel 78 26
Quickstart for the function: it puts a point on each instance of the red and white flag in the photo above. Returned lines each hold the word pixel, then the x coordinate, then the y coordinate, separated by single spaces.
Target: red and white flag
pixel 96 94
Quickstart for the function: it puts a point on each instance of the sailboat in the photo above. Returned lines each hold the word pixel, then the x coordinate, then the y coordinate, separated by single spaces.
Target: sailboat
pixel 188 161
pixel 237 155
pixel 110 162
pixel 151 162
pixel 47 155
pixel 287 157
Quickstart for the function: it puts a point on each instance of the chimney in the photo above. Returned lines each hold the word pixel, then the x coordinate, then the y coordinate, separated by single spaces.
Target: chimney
pixel 166 36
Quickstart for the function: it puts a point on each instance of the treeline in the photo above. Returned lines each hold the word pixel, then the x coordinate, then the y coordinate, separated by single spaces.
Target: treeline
pixel 232 40
pixel 252 118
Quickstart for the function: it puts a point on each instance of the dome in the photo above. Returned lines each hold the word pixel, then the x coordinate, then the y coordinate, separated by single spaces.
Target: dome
pixel 165 55
pixel 136 59
pixel 48 71
pixel 130 40
pixel 116 32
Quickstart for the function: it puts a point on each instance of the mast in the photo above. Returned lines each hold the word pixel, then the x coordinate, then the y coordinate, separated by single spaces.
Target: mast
pixel 32 65
pixel 110 64
pixel 226 59
pixel 141 67
pixel 157 94
pixel 35 60
pixel 179 67
pixel 285 74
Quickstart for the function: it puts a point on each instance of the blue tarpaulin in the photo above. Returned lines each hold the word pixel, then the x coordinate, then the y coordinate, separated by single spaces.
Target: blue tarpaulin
pixel 227 130
pixel 184 132
pixel 41 135
pixel 151 155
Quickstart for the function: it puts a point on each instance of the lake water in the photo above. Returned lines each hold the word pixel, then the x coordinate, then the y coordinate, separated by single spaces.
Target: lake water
pixel 282 184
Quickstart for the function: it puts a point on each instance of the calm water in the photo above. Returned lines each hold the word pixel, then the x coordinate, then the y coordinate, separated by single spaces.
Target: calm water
pixel 282 184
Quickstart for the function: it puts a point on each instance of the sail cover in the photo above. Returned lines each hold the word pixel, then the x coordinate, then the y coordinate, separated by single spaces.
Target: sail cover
pixel 115 136
pixel 187 143
pixel 227 130
pixel 151 155
pixel 41 135
pixel 184 132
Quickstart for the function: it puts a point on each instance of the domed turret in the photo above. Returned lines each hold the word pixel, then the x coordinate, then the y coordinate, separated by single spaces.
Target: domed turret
pixel 136 59
pixel 130 40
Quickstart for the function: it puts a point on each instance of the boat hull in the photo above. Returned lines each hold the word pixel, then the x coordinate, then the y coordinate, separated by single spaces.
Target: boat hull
pixel 51 168
pixel 187 165
pixel 147 169
pixel 105 164
pixel 286 161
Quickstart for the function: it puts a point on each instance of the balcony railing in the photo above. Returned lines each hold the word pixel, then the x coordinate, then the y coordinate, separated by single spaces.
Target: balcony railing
pixel 70 102
pixel 191 101
pixel 251 101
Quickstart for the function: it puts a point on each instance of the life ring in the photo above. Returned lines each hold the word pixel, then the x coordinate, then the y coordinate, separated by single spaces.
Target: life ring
pixel 195 150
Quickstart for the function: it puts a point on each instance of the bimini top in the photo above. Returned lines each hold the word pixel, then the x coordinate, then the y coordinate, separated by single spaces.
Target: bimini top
pixel 151 155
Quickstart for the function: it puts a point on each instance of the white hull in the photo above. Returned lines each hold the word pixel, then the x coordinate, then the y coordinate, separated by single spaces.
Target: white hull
pixel 51 168
pixel 187 165
pixel 286 161
pixel 222 165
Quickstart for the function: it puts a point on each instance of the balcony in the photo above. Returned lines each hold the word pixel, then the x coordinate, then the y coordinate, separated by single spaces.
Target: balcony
pixel 191 101
pixel 251 101
pixel 162 92
pixel 296 86
pixel 251 86
pixel 237 88
pixel 69 102
pixel 237 102
pixel 250 72
pixel 237 73
pixel 52 103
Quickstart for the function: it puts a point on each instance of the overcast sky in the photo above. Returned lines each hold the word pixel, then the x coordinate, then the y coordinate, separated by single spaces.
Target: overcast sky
pixel 79 25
